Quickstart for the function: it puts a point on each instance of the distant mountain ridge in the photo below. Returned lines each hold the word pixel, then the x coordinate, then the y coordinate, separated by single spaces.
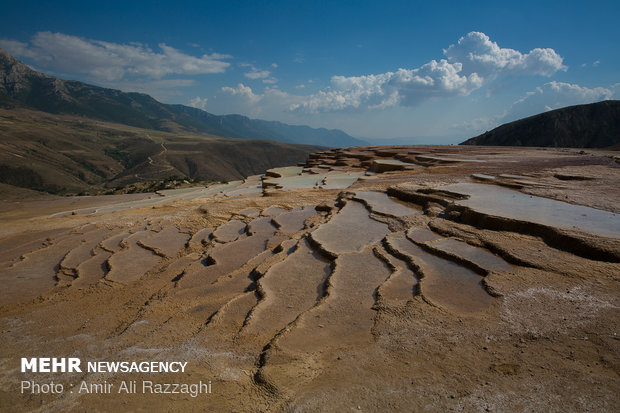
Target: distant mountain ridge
pixel 595 125
pixel 21 86
pixel 67 154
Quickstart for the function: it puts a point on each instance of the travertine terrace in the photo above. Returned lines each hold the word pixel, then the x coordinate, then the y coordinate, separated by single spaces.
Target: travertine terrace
pixel 368 279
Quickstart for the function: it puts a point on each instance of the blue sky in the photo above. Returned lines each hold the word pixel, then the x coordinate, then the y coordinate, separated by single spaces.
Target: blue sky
pixel 436 73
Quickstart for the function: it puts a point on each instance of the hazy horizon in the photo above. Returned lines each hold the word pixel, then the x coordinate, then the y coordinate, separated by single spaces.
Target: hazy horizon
pixel 436 73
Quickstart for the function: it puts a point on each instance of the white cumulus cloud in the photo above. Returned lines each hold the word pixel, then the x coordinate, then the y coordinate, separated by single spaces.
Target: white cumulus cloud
pixel 474 60
pixel 106 61
pixel 242 99
pixel 198 103
pixel 552 95
pixel 257 74
pixel 555 95
pixel 479 54
pixel 242 91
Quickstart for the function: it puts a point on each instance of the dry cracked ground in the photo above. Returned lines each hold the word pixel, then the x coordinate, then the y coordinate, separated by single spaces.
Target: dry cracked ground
pixel 368 279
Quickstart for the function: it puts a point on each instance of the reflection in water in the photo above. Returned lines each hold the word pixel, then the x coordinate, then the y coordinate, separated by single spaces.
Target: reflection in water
pixel 498 201
pixel 446 283
pixel 381 203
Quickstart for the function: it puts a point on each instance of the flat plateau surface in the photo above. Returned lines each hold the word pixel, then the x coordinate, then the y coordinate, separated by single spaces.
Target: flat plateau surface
pixel 406 278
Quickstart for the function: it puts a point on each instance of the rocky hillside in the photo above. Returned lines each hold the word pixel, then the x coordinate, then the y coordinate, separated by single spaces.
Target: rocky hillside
pixel 67 154
pixel 21 86
pixel 596 125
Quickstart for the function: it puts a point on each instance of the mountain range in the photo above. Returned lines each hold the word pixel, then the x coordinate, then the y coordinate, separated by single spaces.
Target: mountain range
pixel 595 125
pixel 20 86
pixel 68 137
pixel 68 154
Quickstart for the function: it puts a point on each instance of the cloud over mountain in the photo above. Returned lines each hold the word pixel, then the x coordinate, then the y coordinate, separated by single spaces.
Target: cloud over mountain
pixel 242 98
pixel 106 61
pixel 552 95
pixel 555 95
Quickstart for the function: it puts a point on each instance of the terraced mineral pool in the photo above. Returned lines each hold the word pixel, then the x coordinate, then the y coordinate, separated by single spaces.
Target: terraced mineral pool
pixel 483 177
pixel 293 221
pixel 261 225
pixel 385 165
pixel 402 284
pixel 511 176
pixel 382 204
pixel 113 243
pixel 507 203
pixel 33 275
pixel 285 171
pixel 213 295
pixel 12 247
pixel 273 211
pixel 82 251
pixel 230 317
pixel 391 162
pixel 250 212
pixel 325 179
pixel 444 282
pixel 442 159
pixel 200 238
pixel 164 196
pixel 227 258
pixel 92 270
pixel 341 181
pixel 201 192
pixel 168 241
pixel 297 181
pixel 230 231
pixel 346 316
pixel 422 235
pixel 350 230
pixel 479 256
pixel 252 186
pixel 131 262
pixel 290 287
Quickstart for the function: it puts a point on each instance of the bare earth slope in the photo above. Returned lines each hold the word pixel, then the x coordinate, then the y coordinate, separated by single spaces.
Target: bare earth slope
pixel 372 279
pixel 71 154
